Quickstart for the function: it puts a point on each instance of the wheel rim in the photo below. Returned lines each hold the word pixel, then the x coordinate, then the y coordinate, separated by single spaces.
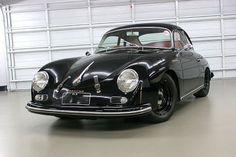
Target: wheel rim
pixel 164 100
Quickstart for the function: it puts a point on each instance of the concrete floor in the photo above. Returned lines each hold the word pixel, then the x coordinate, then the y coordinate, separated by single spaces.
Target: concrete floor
pixel 199 127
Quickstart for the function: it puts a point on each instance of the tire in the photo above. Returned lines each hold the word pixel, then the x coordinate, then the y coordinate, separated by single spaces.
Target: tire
pixel 204 92
pixel 165 101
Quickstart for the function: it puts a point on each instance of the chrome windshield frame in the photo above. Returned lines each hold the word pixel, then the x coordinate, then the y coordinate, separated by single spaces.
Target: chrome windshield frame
pixel 117 30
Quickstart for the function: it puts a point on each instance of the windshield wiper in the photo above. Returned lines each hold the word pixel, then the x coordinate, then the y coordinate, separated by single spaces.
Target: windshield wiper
pixel 137 47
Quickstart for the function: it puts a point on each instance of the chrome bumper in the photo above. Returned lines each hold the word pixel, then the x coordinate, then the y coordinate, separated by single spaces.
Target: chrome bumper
pixel 141 111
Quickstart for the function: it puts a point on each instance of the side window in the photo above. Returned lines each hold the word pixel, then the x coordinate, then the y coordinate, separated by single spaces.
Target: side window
pixel 185 38
pixel 179 44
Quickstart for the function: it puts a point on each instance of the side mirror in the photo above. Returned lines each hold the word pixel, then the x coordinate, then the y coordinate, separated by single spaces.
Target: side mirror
pixel 87 53
pixel 188 47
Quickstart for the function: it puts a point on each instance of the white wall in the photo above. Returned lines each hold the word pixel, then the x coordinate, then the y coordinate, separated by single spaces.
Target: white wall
pixel 3 58
pixel 39 32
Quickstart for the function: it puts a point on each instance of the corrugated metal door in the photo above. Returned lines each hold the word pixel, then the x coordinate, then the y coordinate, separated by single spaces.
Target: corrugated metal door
pixel 41 32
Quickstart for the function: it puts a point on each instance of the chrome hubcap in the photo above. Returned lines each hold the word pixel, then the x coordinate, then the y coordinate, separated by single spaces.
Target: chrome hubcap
pixel 161 99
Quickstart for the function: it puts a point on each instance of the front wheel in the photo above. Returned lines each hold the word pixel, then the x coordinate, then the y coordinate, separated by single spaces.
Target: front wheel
pixel 166 99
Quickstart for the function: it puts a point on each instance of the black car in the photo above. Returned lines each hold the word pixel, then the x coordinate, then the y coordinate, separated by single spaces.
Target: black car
pixel 137 70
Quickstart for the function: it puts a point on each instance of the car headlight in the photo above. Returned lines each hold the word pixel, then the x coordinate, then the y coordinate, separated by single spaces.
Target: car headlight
pixel 40 80
pixel 127 80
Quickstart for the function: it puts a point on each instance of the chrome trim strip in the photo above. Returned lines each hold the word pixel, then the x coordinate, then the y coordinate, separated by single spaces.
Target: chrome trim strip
pixel 97 85
pixel 191 92
pixel 141 92
pixel 79 78
pixel 88 113
pixel 128 28
pixel 62 83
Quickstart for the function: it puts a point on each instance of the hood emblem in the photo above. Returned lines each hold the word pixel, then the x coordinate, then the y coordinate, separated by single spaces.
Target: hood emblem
pixel 97 85
pixel 79 78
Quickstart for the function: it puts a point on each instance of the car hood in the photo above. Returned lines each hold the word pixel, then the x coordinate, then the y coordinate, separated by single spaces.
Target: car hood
pixel 106 66
pixel 102 65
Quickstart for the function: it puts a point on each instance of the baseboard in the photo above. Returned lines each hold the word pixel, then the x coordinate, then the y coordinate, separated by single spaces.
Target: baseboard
pixel 224 78
pixel 3 88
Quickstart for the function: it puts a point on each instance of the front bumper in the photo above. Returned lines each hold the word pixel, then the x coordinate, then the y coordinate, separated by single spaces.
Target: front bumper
pixel 92 112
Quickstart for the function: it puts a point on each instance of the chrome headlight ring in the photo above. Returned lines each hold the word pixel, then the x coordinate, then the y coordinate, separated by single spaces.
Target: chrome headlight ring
pixel 40 80
pixel 128 80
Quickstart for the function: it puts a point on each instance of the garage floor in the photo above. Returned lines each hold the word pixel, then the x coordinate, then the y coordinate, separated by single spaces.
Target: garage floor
pixel 199 127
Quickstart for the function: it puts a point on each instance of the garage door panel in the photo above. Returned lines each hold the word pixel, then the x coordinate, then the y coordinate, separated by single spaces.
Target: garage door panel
pixel 229 27
pixel 21 85
pixel 98 33
pixel 230 62
pixel 27 8
pixel 68 17
pixel 203 7
pixel 229 6
pixel 68 13
pixel 70 37
pixel 56 55
pixel 215 63
pixel 25 74
pixel 230 47
pixel 230 73
pixel 35 59
pixel 99 3
pixel 208 48
pixel 159 21
pixel 28 19
pixel 111 14
pixel 155 10
pixel 56 5
pixel 30 40
pixel 218 74
pixel 202 28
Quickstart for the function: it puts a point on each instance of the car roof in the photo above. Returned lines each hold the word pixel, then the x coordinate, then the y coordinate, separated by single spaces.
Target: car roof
pixel 164 25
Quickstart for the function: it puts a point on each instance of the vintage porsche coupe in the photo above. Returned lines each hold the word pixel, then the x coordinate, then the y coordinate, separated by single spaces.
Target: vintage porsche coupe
pixel 137 70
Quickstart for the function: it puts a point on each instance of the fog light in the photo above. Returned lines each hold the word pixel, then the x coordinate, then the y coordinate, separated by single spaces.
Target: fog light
pixel 123 100
pixel 41 97
pixel 118 100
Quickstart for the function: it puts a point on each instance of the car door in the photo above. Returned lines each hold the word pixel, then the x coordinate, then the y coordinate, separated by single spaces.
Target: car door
pixel 190 62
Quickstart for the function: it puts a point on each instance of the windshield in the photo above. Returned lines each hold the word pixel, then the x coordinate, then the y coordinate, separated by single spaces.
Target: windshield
pixel 136 37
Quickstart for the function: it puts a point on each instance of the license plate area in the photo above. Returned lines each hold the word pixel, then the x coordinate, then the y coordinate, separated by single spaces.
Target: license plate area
pixel 76 98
